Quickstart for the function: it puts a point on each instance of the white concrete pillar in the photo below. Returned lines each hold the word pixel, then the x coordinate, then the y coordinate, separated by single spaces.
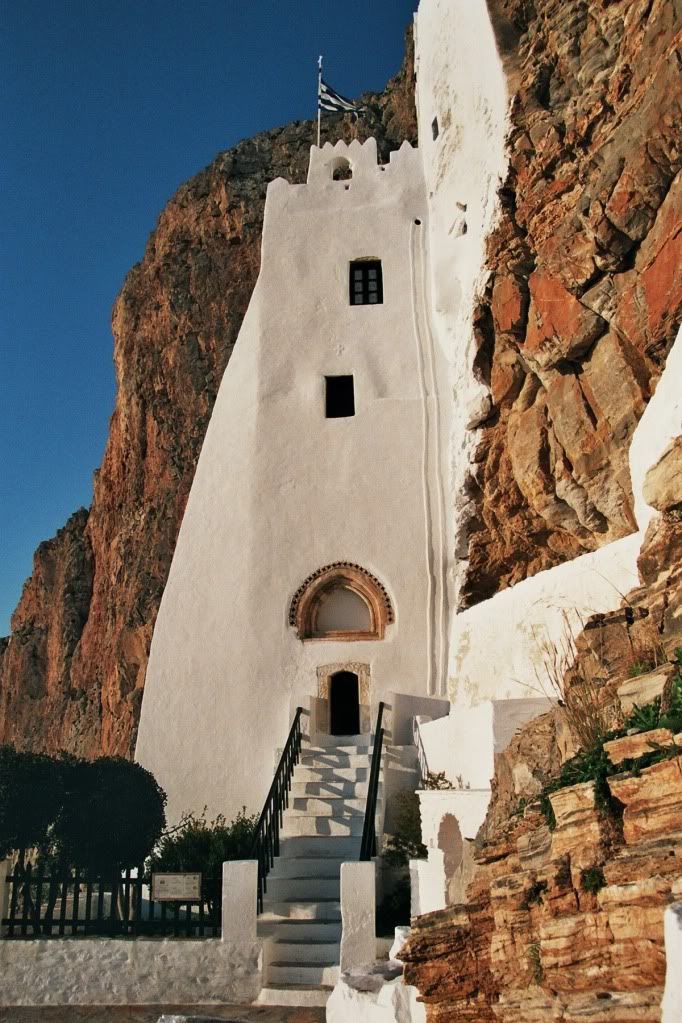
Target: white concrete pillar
pixel 239 912
pixel 358 909
pixel 5 869
pixel 672 995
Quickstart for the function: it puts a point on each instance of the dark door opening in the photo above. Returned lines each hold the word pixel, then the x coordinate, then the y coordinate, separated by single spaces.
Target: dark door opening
pixel 344 704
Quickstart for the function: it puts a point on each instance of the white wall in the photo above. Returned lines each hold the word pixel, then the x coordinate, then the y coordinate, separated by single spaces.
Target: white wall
pixel 460 81
pixel 111 971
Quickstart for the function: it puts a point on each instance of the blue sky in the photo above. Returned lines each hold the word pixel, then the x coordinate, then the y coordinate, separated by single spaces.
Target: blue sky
pixel 108 106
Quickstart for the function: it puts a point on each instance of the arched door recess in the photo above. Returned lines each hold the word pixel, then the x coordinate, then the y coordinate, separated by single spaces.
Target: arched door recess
pixel 344 703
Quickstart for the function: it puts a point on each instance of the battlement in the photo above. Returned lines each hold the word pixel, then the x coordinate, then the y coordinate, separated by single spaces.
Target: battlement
pixel 358 161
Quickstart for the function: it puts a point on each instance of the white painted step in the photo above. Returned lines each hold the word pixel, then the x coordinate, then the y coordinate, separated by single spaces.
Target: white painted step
pixel 333 774
pixel 331 806
pixel 350 789
pixel 321 826
pixel 345 751
pixel 364 739
pixel 336 847
pixel 320 909
pixel 285 929
pixel 331 758
pixel 285 889
pixel 306 953
pixel 305 995
pixel 306 866
pixel 282 972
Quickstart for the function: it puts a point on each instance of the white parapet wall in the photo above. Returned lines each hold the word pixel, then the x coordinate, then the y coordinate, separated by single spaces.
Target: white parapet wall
pixel 131 971
pixel 450 820
pixel 358 911
pixel 115 971
pixel 463 745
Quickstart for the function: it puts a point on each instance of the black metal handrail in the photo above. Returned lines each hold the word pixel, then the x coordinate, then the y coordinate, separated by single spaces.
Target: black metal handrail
pixel 369 835
pixel 266 839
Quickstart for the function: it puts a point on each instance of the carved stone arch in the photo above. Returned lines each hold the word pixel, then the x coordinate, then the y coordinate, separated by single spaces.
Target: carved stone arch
pixel 310 597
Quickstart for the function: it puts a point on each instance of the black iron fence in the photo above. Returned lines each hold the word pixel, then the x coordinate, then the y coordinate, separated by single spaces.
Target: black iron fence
pixel 43 904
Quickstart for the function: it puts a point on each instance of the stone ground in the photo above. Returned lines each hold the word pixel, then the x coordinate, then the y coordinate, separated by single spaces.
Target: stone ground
pixel 151 1013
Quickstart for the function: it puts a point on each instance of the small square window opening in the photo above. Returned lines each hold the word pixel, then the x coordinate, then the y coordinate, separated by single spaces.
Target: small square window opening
pixel 339 397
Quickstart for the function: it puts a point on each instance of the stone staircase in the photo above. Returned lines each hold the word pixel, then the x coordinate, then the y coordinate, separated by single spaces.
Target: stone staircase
pixel 322 829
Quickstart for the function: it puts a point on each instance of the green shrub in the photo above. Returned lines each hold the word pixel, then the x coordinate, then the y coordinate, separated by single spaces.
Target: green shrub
pixel 640 668
pixel 535 959
pixel 394 910
pixel 534 894
pixel 197 845
pixel 112 816
pixel 31 797
pixel 405 843
pixel 592 879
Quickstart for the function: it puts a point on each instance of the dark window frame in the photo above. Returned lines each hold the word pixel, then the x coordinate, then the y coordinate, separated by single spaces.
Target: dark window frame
pixel 339 396
pixel 365 278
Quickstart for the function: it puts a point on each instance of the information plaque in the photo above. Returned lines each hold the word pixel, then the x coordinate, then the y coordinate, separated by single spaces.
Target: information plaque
pixel 176 887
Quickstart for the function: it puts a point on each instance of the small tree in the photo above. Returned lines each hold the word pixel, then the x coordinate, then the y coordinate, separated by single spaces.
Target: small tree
pixel 112 815
pixel 200 846
pixel 405 843
pixel 32 791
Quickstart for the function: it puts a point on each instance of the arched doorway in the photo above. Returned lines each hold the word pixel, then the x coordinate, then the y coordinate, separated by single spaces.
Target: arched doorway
pixel 344 703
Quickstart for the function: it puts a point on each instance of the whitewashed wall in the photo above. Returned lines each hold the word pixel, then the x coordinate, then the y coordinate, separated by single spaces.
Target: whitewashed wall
pixel 108 971
pixel 460 81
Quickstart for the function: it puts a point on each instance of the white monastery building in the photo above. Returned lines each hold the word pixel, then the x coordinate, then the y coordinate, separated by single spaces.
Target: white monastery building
pixel 319 559
pixel 309 567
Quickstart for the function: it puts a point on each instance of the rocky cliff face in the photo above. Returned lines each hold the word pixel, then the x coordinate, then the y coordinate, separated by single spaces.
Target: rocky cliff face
pixel 72 672
pixel 585 289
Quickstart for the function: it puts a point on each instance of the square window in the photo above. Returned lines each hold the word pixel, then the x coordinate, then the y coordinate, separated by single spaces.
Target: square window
pixel 365 281
pixel 339 397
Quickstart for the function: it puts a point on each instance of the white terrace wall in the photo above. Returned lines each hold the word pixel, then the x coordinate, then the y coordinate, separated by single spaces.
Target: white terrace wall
pixel 142 971
pixel 116 971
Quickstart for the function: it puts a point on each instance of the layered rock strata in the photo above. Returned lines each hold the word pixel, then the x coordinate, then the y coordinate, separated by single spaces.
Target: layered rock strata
pixel 567 924
pixel 72 672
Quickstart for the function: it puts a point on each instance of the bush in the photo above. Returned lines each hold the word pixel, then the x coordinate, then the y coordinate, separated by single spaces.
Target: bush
pixel 31 797
pixel 200 846
pixel 112 815
pixel 406 842
pixel 394 910
pixel 592 880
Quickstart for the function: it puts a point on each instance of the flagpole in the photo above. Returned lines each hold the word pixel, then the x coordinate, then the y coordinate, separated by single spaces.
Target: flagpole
pixel 319 90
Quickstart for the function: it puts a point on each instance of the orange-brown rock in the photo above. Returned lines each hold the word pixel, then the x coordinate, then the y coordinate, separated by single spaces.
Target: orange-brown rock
pixel 568 923
pixel 72 672
pixel 585 291
pixel 652 800
pixel 630 747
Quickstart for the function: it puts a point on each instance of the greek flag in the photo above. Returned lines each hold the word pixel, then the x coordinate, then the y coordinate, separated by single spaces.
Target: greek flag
pixel 334 102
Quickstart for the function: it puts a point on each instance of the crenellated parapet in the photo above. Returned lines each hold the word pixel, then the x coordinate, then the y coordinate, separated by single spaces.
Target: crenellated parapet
pixel 360 159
